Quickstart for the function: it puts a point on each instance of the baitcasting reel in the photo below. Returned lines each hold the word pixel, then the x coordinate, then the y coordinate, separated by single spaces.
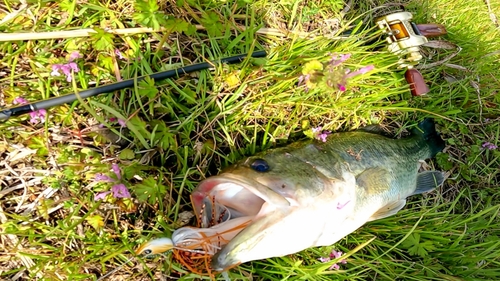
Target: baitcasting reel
pixel 405 38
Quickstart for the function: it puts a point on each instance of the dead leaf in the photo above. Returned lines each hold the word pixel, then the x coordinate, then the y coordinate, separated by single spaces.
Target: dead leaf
pixel 456 66
pixel 441 44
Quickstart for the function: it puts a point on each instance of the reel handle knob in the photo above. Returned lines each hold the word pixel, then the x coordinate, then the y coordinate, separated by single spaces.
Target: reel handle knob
pixel 418 87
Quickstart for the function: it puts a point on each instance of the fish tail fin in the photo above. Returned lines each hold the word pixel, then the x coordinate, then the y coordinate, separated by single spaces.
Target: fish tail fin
pixel 427 130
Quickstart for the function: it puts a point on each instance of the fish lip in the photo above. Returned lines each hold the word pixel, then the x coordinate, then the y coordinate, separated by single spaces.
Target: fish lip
pixel 223 260
pixel 207 186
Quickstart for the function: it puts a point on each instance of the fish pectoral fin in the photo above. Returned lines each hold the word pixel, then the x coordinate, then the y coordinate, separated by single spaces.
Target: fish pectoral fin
pixel 428 180
pixel 388 210
pixel 374 180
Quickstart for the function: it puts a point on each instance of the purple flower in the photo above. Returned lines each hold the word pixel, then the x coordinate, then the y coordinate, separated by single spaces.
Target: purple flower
pixel 55 69
pixel 101 195
pixel 319 134
pixel 348 74
pixel 102 177
pixel 317 129
pixel 337 75
pixel 324 259
pixel 37 115
pixel 336 61
pixel 73 66
pixel 119 190
pixel 360 71
pixel 333 255
pixel 323 136
pixel 66 68
pixel 119 54
pixel 334 266
pixel 303 79
pixel 116 170
pixel 489 146
pixel 121 122
pixel 19 100
pixel 74 55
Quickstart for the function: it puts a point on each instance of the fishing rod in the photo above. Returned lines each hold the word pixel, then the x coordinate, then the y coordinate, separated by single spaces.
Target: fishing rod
pixel 5 114
pixel 404 39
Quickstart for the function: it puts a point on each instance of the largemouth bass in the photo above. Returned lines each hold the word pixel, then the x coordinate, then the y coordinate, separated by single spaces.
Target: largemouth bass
pixel 307 194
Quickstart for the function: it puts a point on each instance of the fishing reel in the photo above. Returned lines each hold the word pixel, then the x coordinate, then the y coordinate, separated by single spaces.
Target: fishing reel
pixel 405 39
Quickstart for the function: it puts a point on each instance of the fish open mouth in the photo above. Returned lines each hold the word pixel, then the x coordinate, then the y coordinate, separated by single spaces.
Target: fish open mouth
pixel 224 206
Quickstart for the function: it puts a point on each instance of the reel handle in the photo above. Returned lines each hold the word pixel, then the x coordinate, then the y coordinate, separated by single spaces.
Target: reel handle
pixel 418 87
pixel 430 30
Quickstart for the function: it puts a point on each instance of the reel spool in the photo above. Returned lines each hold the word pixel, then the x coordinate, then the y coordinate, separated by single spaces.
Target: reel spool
pixel 403 36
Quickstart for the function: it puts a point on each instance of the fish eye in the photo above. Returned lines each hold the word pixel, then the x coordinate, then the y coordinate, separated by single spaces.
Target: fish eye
pixel 260 165
pixel 147 252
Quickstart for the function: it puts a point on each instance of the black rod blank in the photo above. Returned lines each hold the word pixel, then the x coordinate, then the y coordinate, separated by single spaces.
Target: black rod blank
pixel 5 114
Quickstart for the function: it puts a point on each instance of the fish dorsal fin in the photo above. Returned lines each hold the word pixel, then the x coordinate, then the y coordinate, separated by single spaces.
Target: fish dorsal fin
pixel 375 129
pixel 428 180
pixel 388 210
pixel 374 180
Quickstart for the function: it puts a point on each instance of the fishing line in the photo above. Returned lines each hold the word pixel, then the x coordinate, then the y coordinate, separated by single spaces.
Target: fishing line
pixel 5 114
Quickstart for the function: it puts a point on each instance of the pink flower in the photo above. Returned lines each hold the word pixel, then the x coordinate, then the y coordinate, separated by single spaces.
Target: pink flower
pixel 303 79
pixel 121 122
pixel 334 266
pixel 319 134
pixel 55 69
pixel 102 177
pixel 19 100
pixel 333 255
pixel 360 71
pixel 348 74
pixel 67 67
pixel 335 61
pixel 119 190
pixel 337 74
pixel 119 54
pixel 73 66
pixel 36 116
pixel 489 146
pixel 101 195
pixel 74 55
pixel 324 259
pixel 116 170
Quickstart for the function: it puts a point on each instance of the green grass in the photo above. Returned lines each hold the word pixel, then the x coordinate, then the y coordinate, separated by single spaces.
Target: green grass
pixel 180 131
